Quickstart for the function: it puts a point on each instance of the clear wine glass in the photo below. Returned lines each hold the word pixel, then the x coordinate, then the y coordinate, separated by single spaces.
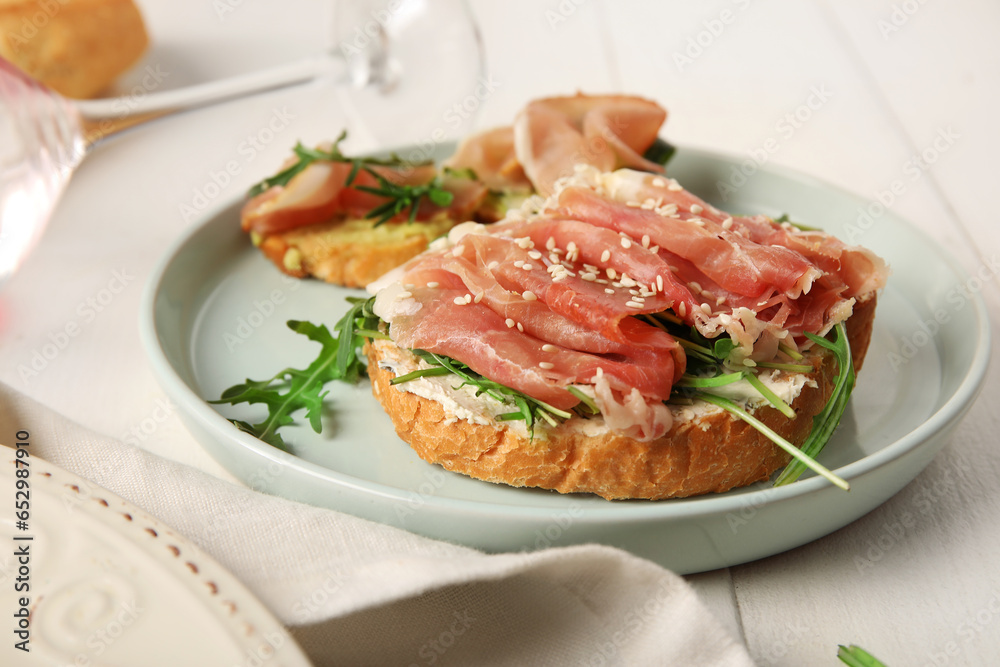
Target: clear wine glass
pixel 405 71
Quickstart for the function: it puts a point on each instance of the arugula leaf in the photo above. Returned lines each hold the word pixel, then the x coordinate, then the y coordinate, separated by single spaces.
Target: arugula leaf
pixel 660 152
pixel 855 656
pixel 798 456
pixel 292 389
pixel 825 423
pixel 528 409
pixel 400 197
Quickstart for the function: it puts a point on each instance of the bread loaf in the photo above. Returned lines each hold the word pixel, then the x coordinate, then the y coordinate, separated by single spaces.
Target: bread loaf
pixel 75 47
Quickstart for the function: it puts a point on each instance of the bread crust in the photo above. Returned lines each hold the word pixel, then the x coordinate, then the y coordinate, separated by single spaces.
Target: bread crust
pixel 714 453
pixel 351 253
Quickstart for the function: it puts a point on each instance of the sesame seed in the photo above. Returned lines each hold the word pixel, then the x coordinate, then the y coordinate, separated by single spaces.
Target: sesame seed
pixel 520 328
pixel 527 266
pixel 601 281
pixel 528 295
pixel 403 295
pixel 633 304
pixel 598 373
pixel 608 290
pixel 696 209
pixel 519 263
pixel 468 298
pixel 554 258
pixel 659 283
pixel 459 300
pixel 492 265
pixel 571 247
pixel 409 286
pixel 645 240
pixel 432 285
pixel 479 297
pixel 626 243
pixel 546 365
pixel 548 347
pixel 659 182
pixel 705 308
pixel 695 287
pixel 510 323
pixel 628 282
pixel 457 250
pixel 727 223
pixel 534 254
pixel 612 274
pixel 674 186
pixel 682 309
pixel 606 255
pixel 655 249
pixel 550 244
pixel 589 277
pixel 525 242
pixel 721 300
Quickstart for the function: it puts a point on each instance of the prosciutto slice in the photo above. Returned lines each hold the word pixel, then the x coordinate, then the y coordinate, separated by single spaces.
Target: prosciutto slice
pixel 449 324
pixel 319 193
pixel 858 268
pixel 491 156
pixel 551 136
pixel 556 299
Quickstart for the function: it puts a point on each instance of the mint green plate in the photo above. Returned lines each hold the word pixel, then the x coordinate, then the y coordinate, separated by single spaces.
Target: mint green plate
pixel 214 314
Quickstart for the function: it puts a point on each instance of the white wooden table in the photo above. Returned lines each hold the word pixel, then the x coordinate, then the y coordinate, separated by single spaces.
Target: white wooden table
pixel 848 92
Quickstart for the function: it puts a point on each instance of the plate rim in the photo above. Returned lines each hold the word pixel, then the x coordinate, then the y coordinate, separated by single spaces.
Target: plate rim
pixel 99 501
pixel 953 408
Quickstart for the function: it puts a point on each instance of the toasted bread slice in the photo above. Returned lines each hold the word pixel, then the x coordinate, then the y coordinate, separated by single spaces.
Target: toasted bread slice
pixel 352 253
pixel 706 450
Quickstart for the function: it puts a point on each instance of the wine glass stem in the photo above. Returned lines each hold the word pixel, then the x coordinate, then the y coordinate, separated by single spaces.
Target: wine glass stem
pixel 99 125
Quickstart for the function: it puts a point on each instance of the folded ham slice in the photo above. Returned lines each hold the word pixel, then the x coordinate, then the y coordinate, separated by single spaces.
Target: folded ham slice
pixel 551 136
pixel 319 193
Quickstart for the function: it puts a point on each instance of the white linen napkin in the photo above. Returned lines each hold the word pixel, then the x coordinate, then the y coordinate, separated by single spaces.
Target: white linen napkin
pixel 355 592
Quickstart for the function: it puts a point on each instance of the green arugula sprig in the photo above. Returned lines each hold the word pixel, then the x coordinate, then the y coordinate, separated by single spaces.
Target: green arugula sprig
pixel 292 389
pixel 530 410
pixel 399 197
pixel 855 656
pixel 708 369
pixel 660 152
pixel 825 423
pixel 402 197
